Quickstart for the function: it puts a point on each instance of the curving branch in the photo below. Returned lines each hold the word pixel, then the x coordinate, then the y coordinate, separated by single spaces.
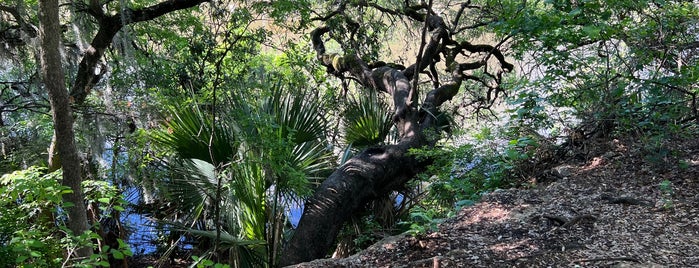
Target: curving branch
pixel 379 170
pixel 87 76
pixel 28 28
pixel 491 50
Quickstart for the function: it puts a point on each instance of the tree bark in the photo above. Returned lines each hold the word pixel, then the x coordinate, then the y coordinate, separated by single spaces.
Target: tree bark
pixel 373 173
pixel 378 171
pixel 109 25
pixel 52 72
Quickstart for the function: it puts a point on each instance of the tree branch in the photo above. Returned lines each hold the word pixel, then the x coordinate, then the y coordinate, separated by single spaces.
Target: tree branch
pixel 31 31
pixel 378 170
pixel 436 25
pixel 13 11
pixel 109 26
pixel 487 49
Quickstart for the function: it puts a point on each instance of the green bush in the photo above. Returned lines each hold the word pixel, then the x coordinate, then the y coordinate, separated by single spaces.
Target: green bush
pixel 32 220
pixel 460 175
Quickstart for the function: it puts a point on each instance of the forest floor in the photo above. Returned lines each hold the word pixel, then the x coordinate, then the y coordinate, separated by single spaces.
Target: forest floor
pixel 627 204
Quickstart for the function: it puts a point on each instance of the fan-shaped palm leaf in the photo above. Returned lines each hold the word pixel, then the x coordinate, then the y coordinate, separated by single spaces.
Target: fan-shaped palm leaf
pixel 189 132
pixel 279 145
pixel 249 253
pixel 367 121
pixel 191 185
pixel 298 117
pixel 288 132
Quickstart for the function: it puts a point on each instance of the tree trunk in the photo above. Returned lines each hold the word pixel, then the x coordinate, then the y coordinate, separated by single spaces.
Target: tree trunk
pixel 380 170
pixel 52 72
pixel 375 172
pixel 109 25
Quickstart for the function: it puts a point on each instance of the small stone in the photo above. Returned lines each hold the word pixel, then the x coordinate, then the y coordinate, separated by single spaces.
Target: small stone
pixel 563 171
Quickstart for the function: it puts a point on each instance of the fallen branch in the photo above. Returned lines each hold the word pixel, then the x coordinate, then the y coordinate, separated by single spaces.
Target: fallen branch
pixel 607 259
pixel 626 201
pixel 565 223
pixel 577 219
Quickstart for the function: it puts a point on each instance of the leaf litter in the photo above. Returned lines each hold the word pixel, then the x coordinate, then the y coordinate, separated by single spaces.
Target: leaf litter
pixel 625 205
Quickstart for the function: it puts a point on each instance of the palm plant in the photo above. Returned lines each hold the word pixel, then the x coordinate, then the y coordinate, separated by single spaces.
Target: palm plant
pixel 287 140
pixel 366 122
pixel 232 179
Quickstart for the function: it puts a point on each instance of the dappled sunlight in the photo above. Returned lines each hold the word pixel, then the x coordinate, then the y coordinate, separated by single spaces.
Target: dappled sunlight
pixel 594 163
pixel 514 249
pixel 489 212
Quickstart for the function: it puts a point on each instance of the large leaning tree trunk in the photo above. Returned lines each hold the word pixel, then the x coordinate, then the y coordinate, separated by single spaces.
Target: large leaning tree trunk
pixel 52 73
pixel 380 170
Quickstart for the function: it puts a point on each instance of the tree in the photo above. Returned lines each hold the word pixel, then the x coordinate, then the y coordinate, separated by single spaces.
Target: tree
pixel 52 72
pixel 19 32
pixel 89 71
pixel 623 66
pixel 379 170
pixel 594 57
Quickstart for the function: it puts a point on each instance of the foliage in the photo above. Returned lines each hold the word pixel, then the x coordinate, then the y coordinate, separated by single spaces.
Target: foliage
pixel 422 220
pixel 459 175
pixel 30 201
pixel 667 190
pixel 623 66
pixel 250 119
pixel 367 120
pixel 203 262
pixel 32 224
pixel 277 150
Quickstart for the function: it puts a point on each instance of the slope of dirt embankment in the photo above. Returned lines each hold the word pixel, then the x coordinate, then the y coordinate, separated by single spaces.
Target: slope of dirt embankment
pixel 628 205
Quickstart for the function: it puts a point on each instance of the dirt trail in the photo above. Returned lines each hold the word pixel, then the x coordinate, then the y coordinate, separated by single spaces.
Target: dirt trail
pixel 627 205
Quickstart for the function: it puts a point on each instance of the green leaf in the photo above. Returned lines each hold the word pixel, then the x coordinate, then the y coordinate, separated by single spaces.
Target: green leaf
pixel 35 243
pixel 592 31
pixel 575 12
pixel 105 200
pixel 117 254
pixel 367 121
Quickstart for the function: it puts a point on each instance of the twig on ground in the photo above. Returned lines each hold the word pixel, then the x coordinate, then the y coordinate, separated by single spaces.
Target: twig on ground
pixel 607 259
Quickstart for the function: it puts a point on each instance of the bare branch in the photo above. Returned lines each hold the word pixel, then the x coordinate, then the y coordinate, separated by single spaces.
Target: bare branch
pixel 487 49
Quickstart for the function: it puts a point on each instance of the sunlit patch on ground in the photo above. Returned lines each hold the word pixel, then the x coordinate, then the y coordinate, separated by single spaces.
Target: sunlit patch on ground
pixel 493 213
pixel 514 249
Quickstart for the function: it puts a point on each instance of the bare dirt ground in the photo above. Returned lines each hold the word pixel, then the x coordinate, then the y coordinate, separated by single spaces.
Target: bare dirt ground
pixel 628 204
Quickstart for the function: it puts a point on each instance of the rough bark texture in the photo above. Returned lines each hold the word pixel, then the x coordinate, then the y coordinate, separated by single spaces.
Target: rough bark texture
pixel 52 72
pixel 379 170
pixel 88 74
pixel 373 173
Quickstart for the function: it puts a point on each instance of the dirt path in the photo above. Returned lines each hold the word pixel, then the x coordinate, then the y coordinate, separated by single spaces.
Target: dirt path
pixel 629 205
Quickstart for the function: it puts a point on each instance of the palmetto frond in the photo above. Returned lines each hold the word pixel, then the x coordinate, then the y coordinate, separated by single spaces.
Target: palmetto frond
pixel 297 115
pixel 246 252
pixel 189 133
pixel 287 130
pixel 367 120
pixel 191 187
pixel 265 150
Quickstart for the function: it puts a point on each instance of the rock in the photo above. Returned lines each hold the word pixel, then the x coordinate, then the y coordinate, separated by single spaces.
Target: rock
pixel 562 171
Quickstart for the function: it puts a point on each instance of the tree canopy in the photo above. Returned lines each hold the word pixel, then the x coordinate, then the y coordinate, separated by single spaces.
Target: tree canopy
pixel 266 133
